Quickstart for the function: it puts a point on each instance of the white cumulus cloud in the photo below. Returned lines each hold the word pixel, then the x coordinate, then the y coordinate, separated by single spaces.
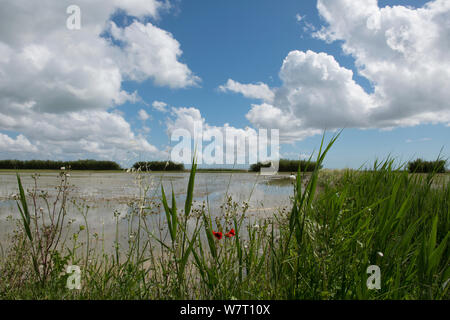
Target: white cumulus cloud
pixel 402 51
pixel 143 115
pixel 150 52
pixel 59 87
pixel 255 91
pixel 160 106
pixel 19 144
pixel 232 145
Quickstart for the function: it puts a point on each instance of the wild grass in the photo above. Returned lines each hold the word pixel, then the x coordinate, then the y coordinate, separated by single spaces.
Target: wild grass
pixel 319 249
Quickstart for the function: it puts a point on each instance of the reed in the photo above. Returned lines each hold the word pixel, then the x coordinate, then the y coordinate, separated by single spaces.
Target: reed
pixel 319 249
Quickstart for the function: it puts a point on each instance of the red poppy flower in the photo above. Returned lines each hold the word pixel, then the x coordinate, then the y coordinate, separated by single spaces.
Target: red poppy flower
pixel 230 233
pixel 218 235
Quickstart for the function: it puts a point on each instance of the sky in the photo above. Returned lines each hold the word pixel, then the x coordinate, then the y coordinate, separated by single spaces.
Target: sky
pixel 135 71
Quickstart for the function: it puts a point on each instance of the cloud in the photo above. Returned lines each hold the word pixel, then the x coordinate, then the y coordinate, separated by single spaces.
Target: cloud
pixel 59 87
pixel 418 140
pixel 320 93
pixel 63 70
pixel 184 118
pixel 151 52
pixel 316 94
pixel 190 119
pixel 19 144
pixel 78 134
pixel 307 26
pixel 402 51
pixel 160 106
pixel 254 91
pixel 143 115
pixel 266 116
pixel 298 17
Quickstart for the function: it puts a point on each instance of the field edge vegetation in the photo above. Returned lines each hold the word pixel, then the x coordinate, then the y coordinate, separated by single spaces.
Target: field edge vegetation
pixel 320 248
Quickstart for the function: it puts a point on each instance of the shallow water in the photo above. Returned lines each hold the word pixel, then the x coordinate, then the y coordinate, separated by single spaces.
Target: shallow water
pixel 106 193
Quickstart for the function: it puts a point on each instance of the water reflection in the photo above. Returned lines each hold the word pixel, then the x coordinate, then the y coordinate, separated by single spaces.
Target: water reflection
pixel 106 193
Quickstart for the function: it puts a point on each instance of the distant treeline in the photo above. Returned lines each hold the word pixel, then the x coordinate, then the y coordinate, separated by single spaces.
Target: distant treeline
pixel 287 165
pixel 158 166
pixel 422 166
pixel 57 165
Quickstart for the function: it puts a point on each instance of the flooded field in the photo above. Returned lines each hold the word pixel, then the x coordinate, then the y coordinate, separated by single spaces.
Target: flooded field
pixel 107 193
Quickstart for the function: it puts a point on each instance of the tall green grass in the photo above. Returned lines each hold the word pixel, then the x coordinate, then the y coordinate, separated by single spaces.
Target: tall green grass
pixel 318 249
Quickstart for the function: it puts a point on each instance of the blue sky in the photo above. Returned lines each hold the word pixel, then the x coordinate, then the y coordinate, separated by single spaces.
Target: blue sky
pixel 247 41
